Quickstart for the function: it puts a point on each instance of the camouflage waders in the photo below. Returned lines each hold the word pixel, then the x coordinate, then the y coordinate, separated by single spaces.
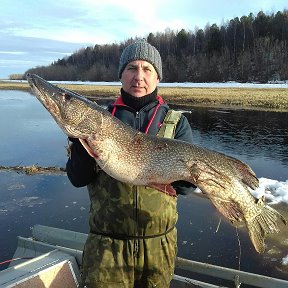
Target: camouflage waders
pixel 133 239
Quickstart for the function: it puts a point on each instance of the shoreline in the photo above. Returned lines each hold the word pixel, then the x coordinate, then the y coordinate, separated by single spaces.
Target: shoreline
pixel 266 99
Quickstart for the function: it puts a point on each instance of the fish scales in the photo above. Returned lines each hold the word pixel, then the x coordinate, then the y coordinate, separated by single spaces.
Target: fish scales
pixel 139 159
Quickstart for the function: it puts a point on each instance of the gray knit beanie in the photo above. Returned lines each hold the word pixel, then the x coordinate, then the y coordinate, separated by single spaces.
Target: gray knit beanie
pixel 140 50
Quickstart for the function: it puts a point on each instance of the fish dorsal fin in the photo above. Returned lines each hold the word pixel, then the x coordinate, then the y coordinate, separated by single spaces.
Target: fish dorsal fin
pixel 245 173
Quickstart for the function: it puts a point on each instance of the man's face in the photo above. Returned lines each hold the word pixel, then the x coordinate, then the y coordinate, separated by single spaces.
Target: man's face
pixel 139 78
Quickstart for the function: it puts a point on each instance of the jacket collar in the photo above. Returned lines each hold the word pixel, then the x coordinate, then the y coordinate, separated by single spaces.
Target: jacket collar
pixel 119 101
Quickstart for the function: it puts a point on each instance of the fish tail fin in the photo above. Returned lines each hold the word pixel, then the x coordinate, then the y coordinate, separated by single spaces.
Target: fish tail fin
pixel 264 223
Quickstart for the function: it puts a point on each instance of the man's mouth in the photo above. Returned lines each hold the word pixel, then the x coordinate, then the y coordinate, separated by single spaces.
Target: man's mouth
pixel 138 87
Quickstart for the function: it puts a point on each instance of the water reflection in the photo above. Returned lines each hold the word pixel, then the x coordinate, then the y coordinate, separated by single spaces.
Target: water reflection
pixel 30 136
pixel 47 200
pixel 259 138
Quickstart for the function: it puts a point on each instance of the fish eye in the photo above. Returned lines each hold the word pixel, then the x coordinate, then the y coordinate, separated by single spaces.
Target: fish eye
pixel 66 97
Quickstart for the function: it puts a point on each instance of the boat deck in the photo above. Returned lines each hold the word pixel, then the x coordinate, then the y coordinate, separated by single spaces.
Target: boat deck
pixel 52 256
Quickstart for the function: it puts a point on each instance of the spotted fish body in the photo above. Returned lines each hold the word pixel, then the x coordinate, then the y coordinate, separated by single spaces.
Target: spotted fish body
pixel 139 159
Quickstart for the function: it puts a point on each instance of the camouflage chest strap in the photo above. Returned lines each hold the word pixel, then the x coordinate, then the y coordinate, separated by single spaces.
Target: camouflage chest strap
pixel 168 127
pixel 130 237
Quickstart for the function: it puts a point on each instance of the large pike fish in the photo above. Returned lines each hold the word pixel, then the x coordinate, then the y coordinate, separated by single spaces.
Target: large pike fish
pixel 139 159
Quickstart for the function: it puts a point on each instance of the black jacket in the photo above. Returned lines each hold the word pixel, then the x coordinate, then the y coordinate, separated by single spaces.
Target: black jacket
pixel 81 168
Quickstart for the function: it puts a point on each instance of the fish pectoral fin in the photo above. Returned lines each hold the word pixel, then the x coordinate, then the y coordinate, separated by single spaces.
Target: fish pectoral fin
pixel 165 188
pixel 88 149
pixel 229 209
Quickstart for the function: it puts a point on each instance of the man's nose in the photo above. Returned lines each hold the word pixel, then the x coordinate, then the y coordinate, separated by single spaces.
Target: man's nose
pixel 139 74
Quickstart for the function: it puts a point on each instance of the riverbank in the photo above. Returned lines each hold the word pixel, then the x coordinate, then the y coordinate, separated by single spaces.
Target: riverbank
pixel 268 99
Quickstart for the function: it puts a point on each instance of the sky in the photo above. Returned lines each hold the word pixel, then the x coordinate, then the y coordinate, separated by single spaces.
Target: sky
pixel 37 32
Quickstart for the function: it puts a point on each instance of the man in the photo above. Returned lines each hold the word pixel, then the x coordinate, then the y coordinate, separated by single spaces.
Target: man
pixel 132 240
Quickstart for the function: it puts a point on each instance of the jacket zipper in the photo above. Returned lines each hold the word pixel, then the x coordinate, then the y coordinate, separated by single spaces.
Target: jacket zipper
pixel 137 120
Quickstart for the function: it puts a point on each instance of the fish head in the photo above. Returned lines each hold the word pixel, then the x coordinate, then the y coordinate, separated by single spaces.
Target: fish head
pixel 70 110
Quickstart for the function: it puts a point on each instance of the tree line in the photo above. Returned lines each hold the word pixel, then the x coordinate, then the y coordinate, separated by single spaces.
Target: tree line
pixel 247 49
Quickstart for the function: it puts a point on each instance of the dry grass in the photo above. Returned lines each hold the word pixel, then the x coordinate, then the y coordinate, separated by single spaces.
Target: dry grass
pixel 13 86
pixel 244 98
pixel 241 98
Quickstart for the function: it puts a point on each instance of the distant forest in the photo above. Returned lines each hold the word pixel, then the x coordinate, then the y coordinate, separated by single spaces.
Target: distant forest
pixel 249 49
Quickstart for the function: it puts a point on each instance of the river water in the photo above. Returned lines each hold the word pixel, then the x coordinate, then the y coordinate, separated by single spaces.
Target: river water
pixel 30 136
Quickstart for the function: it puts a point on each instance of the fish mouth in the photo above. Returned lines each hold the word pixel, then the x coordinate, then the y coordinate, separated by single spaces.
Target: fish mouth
pixel 44 92
pixel 33 81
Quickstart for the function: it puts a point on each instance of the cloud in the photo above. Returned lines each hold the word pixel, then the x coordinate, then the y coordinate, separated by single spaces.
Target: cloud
pixel 20 53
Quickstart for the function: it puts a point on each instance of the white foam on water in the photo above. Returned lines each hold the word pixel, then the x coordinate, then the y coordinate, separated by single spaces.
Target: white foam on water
pixel 285 260
pixel 274 191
